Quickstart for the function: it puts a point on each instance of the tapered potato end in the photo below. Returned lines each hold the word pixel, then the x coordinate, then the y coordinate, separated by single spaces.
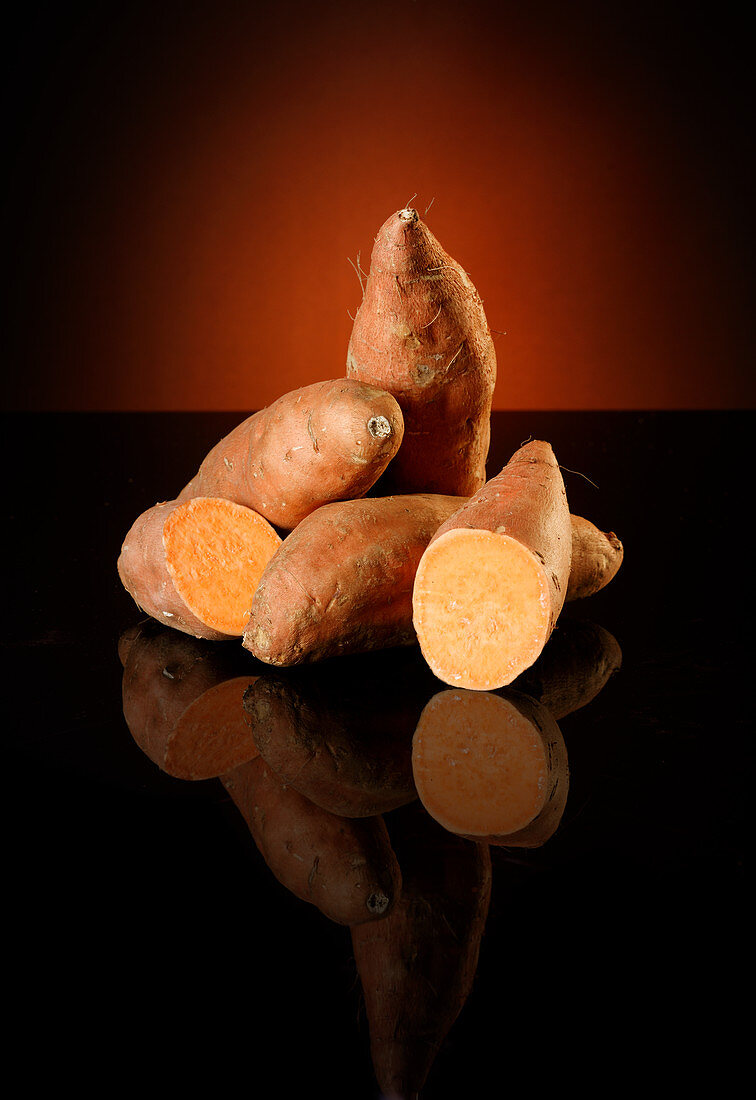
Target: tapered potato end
pixel 596 559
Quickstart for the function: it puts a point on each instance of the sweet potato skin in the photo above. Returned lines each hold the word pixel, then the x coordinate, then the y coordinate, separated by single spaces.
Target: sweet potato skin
pixel 522 511
pixel 421 333
pixel 596 558
pixel 324 442
pixel 346 868
pixel 144 574
pixel 532 510
pixel 342 581
pixel 417 966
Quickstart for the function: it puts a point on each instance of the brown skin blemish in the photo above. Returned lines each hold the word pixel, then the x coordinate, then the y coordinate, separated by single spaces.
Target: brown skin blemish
pixel 379 427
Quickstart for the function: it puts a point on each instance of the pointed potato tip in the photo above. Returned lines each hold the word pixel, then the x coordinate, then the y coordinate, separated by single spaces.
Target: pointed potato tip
pixel 402 238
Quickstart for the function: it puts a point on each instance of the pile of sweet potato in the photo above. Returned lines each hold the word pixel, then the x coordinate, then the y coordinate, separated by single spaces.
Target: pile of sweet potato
pixel 354 514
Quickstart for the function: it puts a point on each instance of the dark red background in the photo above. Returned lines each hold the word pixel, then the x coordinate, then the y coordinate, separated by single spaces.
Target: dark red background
pixel 187 186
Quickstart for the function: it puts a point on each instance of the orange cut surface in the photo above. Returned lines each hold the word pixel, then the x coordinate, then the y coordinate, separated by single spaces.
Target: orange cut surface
pixel 481 608
pixel 216 552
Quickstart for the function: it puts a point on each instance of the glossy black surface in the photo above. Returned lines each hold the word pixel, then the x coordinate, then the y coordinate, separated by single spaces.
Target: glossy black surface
pixel 149 941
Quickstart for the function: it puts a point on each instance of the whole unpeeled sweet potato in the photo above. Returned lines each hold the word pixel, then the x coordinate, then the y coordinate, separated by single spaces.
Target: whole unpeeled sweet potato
pixel 417 966
pixel 341 582
pixel 421 333
pixel 328 441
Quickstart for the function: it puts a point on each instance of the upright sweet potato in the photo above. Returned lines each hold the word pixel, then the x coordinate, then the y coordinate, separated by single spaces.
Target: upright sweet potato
pixel 324 442
pixel 342 581
pixel 183 701
pixel 346 868
pixel 341 732
pixel 493 580
pixel 195 565
pixel 491 766
pixel 421 333
pixel 417 966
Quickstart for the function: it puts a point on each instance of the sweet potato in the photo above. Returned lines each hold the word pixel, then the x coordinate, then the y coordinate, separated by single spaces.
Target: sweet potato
pixel 491 767
pixel 417 966
pixel 183 701
pixel 421 333
pixel 324 442
pixel 577 662
pixel 195 565
pixel 492 581
pixel 342 581
pixel 346 868
pixel 341 732
pixel 596 558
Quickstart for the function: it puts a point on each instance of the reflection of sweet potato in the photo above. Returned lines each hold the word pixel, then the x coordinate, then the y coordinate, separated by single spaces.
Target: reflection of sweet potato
pixel 577 662
pixel 346 868
pixel 341 733
pixel 182 701
pixel 417 965
pixel 491 766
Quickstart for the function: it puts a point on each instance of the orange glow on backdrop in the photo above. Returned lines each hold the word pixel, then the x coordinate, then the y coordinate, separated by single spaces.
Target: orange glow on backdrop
pixel 189 191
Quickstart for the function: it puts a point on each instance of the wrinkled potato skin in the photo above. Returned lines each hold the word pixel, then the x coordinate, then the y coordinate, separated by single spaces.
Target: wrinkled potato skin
pixel 421 333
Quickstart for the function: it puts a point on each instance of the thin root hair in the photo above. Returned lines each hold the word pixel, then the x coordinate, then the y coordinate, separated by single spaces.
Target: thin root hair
pixel 356 267
pixel 578 473
pixel 432 320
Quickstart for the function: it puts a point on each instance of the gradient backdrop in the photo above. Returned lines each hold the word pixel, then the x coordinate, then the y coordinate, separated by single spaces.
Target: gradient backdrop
pixel 189 182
